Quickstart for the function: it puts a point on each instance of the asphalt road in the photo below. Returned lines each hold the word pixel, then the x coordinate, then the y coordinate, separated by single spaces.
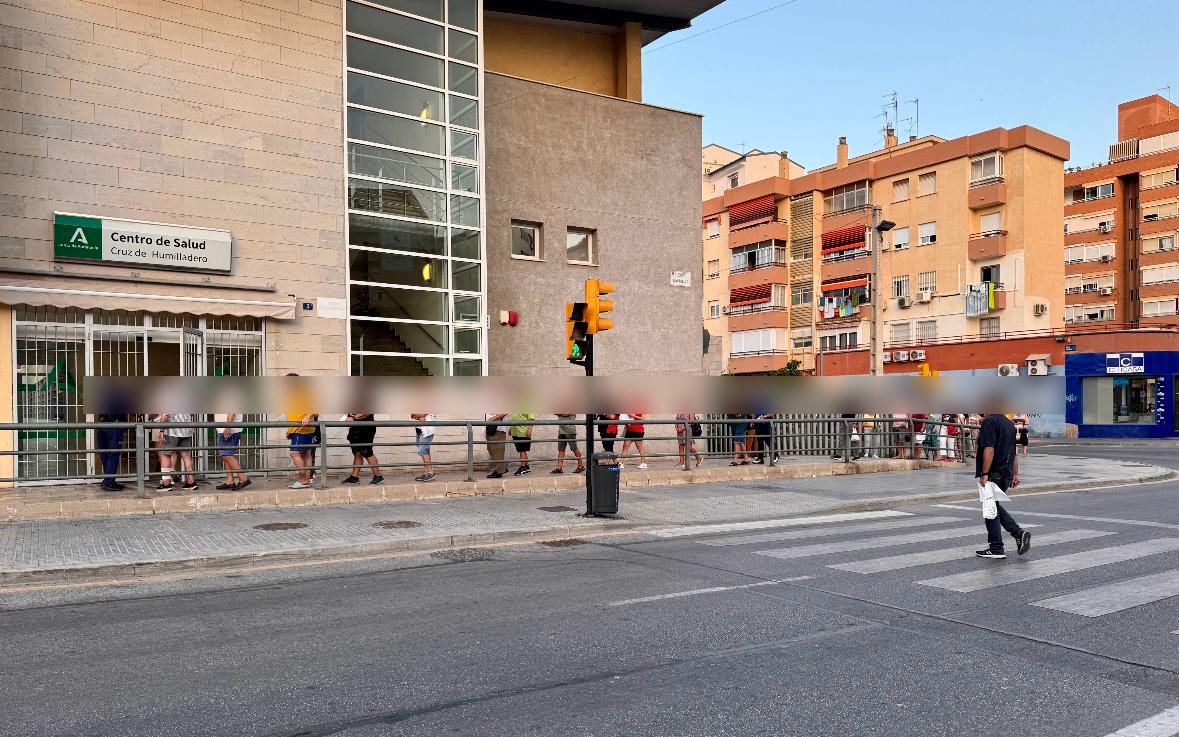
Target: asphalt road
pixel 875 625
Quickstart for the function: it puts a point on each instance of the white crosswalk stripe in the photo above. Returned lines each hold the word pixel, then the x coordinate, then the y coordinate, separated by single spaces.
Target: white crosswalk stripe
pixel 1002 575
pixel 824 532
pixel 825 519
pixel 1115 597
pixel 847 546
pixel 1165 724
pixel 910 560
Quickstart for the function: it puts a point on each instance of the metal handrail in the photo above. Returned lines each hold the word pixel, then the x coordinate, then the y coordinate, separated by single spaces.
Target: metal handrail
pixel 818 435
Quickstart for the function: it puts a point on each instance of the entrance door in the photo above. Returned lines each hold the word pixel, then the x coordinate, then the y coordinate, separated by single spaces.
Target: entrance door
pixel 116 350
pixel 193 348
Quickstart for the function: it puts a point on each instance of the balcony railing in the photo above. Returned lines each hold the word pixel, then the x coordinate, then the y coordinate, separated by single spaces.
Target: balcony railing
pixel 846 255
pixel 751 309
pixel 767 352
pixel 764 260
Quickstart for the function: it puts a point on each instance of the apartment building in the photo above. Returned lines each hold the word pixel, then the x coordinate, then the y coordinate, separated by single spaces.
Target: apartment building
pixel 1121 224
pixel 743 245
pixel 335 187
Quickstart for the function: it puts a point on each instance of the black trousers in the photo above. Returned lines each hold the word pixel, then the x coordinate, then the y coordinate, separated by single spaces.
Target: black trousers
pixel 1004 521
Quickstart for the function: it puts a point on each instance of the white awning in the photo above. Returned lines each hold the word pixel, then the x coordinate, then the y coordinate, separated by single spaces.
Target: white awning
pixel 18 292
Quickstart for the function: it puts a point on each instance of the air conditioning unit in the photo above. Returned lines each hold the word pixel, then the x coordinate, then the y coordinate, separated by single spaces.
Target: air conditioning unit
pixel 1040 309
pixel 726 309
pixel 886 357
pixel 924 297
pixel 1008 369
pixel 1105 227
pixel 901 356
pixel 904 302
pixel 1106 291
pixel 1151 217
pixel 1106 259
pixel 917 355
pixel 1037 367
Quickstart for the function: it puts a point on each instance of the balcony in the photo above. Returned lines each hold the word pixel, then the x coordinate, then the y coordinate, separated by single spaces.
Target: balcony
pixel 757 316
pixel 844 264
pixel 775 230
pixel 987 192
pixel 858 313
pixel 985 298
pixel 992 244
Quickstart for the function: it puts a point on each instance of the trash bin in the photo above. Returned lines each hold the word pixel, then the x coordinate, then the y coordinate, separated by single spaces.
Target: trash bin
pixel 604 477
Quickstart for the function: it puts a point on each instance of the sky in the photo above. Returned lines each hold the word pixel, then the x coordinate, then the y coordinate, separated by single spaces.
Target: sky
pixel 799 76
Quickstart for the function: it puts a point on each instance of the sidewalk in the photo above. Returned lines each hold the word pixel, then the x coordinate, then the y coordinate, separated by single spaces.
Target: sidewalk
pixel 88 500
pixel 113 547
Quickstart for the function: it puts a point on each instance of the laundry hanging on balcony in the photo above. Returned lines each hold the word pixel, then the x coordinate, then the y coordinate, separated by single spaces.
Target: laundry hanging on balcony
pixel 980 298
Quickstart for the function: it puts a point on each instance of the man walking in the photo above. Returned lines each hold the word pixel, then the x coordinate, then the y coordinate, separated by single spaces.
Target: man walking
pixel 996 462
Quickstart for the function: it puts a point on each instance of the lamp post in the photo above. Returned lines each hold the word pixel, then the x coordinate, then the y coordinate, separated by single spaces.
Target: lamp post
pixel 879 228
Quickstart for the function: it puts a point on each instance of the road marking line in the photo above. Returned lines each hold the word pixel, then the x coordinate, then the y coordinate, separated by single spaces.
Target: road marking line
pixel 896 562
pixel 713 590
pixel 1165 724
pixel 847 546
pixel 1115 597
pixel 825 531
pixel 768 523
pixel 1029 570
pixel 1111 520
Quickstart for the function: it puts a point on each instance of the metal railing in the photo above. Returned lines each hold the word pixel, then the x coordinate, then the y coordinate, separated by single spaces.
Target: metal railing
pixel 742 439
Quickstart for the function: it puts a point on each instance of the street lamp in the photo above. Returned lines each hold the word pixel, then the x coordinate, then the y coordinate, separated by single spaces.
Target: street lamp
pixel 879 228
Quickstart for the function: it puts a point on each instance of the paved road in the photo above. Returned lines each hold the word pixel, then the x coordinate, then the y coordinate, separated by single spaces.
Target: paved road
pixel 879 624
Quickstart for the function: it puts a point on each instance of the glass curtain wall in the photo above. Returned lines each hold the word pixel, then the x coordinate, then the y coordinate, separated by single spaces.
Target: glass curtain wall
pixel 416 270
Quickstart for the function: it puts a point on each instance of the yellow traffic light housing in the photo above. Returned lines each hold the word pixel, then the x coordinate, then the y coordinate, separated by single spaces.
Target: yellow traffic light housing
pixel 595 305
pixel 576 330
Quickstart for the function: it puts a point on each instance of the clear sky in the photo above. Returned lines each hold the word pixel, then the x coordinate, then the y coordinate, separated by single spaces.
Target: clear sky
pixel 798 77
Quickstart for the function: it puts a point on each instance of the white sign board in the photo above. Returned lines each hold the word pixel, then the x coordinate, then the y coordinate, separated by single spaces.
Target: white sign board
pixel 681 278
pixel 332 308
pixel 1125 363
pixel 137 243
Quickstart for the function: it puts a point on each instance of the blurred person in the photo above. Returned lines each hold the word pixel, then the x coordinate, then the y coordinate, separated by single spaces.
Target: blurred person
pixel 607 432
pixel 425 436
pixel 902 436
pixel 178 446
pixel 229 437
pixel 843 437
pixel 969 434
pixel 497 440
pixel 1022 429
pixel 522 439
pixel 686 426
pixel 933 437
pixel 633 436
pixel 360 442
pixel 919 435
pixel 762 437
pixel 997 463
pixel 567 440
pixel 301 436
pixel 738 430
pixel 110 441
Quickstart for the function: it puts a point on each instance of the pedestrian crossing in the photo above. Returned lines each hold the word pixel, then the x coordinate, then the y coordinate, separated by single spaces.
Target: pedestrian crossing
pixel 816 537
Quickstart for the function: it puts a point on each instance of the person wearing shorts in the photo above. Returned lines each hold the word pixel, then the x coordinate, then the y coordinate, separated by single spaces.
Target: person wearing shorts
pixel 177 453
pixel 302 439
pixel 425 436
pixel 228 439
pixel 738 427
pixel 608 431
pixel 522 439
pixel 360 442
pixel 685 436
pixel 633 435
pixel 567 440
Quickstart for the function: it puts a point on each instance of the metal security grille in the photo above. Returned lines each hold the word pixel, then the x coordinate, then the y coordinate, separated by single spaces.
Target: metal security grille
pixel 50 363
pixel 233 347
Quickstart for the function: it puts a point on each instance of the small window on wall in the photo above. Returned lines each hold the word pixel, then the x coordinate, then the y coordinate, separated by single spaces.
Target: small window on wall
pixel 526 242
pixel 713 309
pixel 581 246
pixel 900 238
pixel 927 232
pixel 900 190
pixel 713 228
pixel 991 223
pixel 714 268
pixel 734 181
pixel 927 184
pixel 988 327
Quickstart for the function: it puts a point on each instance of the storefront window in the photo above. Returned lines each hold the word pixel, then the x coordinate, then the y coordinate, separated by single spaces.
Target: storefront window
pixel 1119 400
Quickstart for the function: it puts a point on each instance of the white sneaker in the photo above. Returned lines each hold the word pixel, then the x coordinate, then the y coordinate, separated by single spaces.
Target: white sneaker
pixel 642 466
pixel 299 485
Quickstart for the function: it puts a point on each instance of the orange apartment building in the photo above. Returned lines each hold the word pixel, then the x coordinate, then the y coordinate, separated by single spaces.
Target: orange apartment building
pixel 971 262
pixel 1121 224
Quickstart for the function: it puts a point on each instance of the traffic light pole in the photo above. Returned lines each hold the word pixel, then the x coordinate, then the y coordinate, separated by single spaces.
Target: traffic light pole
pixel 589 433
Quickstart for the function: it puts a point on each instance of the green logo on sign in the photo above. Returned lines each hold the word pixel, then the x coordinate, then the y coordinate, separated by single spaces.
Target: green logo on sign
pixel 77 237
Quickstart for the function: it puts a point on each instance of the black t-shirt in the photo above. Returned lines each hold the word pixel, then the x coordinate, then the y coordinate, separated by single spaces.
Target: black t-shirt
pixel 997 432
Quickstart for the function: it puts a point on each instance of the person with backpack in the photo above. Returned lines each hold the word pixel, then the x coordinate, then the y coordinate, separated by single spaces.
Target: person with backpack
pixel 687 429
pixel 608 431
pixel 996 463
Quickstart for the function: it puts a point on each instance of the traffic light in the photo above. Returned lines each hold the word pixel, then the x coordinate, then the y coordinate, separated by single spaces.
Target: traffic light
pixel 576 330
pixel 595 305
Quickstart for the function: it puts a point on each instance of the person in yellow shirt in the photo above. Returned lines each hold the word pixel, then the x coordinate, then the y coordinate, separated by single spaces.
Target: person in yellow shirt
pixel 301 436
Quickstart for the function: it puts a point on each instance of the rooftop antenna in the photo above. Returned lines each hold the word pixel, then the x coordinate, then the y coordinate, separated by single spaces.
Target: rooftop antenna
pixel 915 120
pixel 1166 94
pixel 889 112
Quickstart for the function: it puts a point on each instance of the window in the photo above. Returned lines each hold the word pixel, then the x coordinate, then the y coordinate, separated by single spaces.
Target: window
pixel 844 341
pixel 926 330
pixel 900 332
pixel 396 199
pixel 1103 221
pixel 927 282
pixel 779 295
pixel 989 166
pixel 526 241
pixel 464 13
pixel 900 238
pixel 397 166
pixel 766 340
pixel 714 268
pixel 1158 243
pixel 1160 210
pixel 927 234
pixel 1158 178
pixel 1118 400
pixel 990 223
pixel 900 190
pixel 900 286
pixel 394 28
pixel 463 177
pixel 714 309
pixel 990 274
pixel 581 246
pixel 464 145
pixel 1095 192
pixel 395 97
pixel 801 294
pixel 465 112
pixel 1088 313
pixel 988 327
pixel 713 225
pixel 464 211
pixel 847 197
pixel 464 46
pixel 801 338
pixel 927 184
pixel 1160 274
pixel 1158 307
pixel 462 79
pixel 734 180
pixel 390 130
pixel 394 62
